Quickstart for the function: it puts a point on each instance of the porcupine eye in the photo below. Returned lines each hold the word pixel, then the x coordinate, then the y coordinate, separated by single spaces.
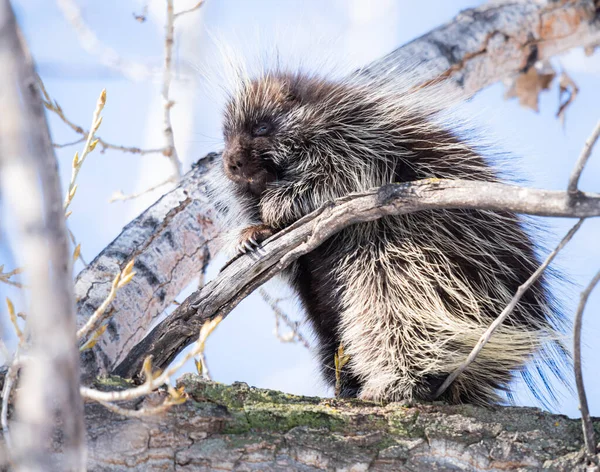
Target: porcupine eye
pixel 261 129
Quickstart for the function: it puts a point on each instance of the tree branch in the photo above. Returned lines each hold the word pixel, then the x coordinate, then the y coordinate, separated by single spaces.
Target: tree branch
pixel 245 274
pixel 240 428
pixel 30 181
pixel 588 428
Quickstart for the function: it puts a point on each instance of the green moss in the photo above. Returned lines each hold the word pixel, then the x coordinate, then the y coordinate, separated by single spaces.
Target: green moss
pixel 402 422
pixel 238 394
pixel 279 417
pixel 112 382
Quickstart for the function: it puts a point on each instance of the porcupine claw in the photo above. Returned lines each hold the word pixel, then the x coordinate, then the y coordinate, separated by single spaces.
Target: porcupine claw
pixel 252 238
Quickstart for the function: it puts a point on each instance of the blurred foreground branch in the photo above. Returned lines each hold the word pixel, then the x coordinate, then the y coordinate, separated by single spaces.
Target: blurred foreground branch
pixel 49 386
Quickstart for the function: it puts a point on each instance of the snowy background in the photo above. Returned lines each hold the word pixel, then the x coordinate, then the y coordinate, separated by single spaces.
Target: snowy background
pixel 340 34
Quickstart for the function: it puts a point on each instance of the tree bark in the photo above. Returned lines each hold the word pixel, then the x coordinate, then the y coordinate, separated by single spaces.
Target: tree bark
pixel 240 428
pixel 171 240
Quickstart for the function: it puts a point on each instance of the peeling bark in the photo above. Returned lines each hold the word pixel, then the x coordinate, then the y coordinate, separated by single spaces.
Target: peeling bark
pixel 240 428
pixel 479 47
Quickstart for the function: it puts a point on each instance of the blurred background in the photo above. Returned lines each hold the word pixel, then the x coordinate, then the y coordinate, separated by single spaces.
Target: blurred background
pixel 125 57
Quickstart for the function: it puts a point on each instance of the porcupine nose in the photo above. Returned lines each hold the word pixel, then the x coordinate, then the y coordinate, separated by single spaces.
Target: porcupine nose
pixel 234 163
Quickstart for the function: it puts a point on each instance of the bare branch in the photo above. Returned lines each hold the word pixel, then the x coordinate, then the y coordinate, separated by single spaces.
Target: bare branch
pixel 295 333
pixel 5 277
pixel 90 42
pixel 586 422
pixel 189 10
pixel 245 274
pixel 153 382
pixel 120 196
pixel 485 337
pixel 121 279
pixel 29 178
pixel 583 158
pixel 54 107
pixel 170 150
pixel 89 146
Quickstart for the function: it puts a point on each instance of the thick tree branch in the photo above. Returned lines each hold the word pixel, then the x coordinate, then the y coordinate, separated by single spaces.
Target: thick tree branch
pixel 479 47
pixel 240 428
pixel 30 182
pixel 245 274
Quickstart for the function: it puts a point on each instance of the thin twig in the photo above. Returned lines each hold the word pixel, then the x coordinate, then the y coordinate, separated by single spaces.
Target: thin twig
pixel 582 160
pixel 586 422
pixel 6 276
pixel 72 143
pixel 189 10
pixel 54 107
pixel 170 150
pixel 120 280
pixel 90 42
pixel 120 196
pixel 205 331
pixel 74 241
pixel 89 146
pixel 295 333
pixel 485 337
pixel 151 383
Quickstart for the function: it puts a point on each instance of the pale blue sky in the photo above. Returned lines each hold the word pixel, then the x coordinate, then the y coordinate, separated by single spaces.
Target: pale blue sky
pixel 348 33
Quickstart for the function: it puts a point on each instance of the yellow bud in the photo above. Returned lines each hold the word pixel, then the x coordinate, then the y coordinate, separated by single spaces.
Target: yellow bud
pixel 72 192
pixel 67 214
pixel 76 252
pixel 11 307
pixel 147 367
pixel 76 160
pixel 94 339
pixel 129 266
pixel 125 280
pixel 102 98
pixel 93 144
pixel 198 366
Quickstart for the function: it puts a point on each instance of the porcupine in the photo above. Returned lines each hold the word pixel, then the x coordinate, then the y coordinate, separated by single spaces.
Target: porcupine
pixel 407 296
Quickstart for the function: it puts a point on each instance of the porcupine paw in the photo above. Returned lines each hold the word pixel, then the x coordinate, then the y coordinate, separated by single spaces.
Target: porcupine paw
pixel 252 237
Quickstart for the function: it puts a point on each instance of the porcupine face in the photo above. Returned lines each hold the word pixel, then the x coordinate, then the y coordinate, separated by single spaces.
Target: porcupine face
pixel 255 122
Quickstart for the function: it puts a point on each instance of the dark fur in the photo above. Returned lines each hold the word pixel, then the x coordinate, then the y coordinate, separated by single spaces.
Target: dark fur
pixel 285 164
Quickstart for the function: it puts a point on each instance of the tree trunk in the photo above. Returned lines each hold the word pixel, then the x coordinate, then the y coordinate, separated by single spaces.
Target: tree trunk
pixel 240 428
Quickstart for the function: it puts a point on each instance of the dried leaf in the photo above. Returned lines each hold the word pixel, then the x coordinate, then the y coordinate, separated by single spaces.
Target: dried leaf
pixel 527 87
